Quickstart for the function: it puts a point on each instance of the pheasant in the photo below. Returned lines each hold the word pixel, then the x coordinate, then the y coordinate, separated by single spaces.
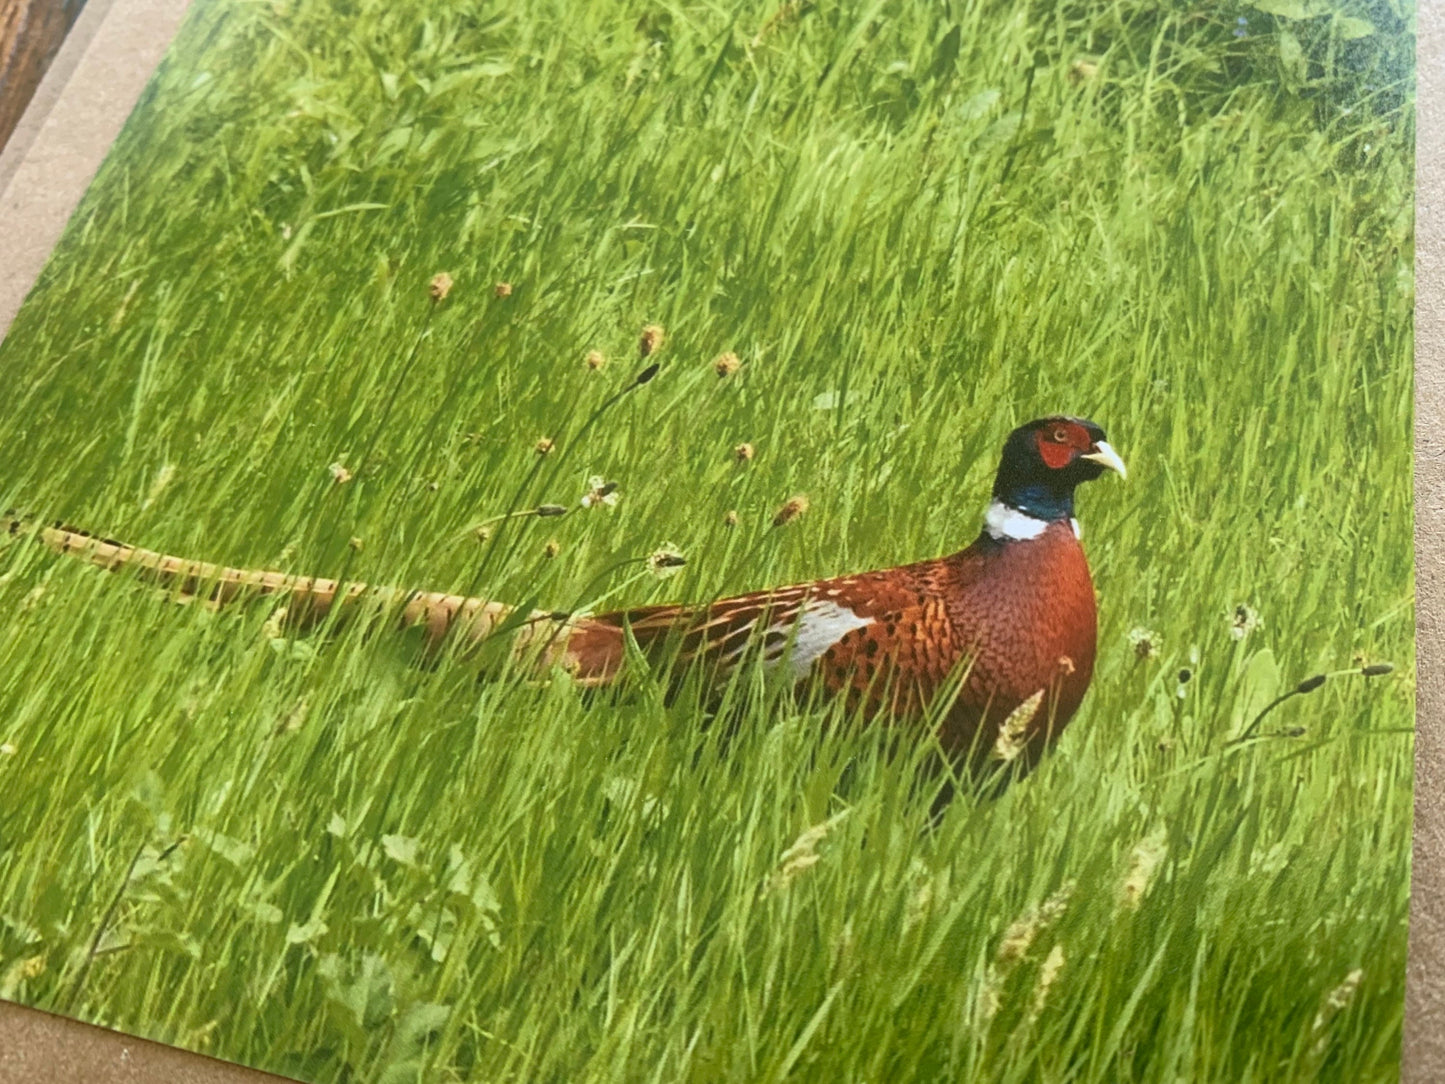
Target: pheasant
pixel 1006 627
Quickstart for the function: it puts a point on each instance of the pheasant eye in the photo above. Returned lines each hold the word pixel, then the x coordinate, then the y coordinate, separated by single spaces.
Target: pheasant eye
pixel 1061 436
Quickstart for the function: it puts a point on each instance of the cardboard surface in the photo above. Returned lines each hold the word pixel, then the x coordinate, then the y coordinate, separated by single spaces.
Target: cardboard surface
pixel 70 125
pixel 1425 979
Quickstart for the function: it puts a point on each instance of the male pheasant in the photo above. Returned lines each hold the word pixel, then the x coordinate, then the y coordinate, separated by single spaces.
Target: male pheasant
pixel 1006 626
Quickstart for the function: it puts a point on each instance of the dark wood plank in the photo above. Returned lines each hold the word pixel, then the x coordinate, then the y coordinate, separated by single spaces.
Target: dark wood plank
pixel 30 35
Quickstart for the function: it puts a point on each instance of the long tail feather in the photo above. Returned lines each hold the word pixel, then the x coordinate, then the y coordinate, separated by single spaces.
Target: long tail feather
pixel 308 600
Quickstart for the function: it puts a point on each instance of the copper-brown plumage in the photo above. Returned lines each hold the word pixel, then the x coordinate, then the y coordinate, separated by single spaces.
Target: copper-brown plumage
pixel 967 615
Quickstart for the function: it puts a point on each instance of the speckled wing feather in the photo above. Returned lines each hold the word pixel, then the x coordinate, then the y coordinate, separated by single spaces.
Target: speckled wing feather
pixel 848 630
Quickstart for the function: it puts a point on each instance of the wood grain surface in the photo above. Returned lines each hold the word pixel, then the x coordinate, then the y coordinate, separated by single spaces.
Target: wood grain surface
pixel 31 32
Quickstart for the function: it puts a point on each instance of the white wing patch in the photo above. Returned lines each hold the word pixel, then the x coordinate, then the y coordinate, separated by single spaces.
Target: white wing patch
pixel 821 625
pixel 800 637
pixel 1003 522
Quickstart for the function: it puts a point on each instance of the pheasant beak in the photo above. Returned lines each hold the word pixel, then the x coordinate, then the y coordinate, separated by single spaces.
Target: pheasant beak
pixel 1105 456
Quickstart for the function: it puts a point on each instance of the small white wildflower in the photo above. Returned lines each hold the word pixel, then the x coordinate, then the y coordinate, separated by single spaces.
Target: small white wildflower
pixel 6 749
pixel 1145 642
pixel 1244 620
pixel 600 492
pixel 1185 676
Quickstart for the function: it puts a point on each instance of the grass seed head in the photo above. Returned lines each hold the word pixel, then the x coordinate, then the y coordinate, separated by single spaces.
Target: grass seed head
pixel 1013 733
pixel 356 543
pixel 651 340
pixel 543 446
pixel 743 452
pixel 1015 944
pixel 1338 998
pixel 665 561
pixel 726 364
pixel 7 749
pixel 551 549
pixel 1048 975
pixel 502 289
pixel 163 478
pixel 791 510
pixel 802 854
pixel 483 533
pixel 600 493
pixel 1081 71
pixel 339 474
pixel 1144 862
pixel 1336 1001
pixel 731 519
pixel 441 285
pixel 275 626
pixel 1024 929
pixel 595 360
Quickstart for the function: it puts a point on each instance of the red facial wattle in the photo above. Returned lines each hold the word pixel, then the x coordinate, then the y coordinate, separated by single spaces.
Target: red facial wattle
pixel 1059 444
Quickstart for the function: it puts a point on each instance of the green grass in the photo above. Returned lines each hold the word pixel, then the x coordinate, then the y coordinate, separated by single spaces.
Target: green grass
pixel 917 225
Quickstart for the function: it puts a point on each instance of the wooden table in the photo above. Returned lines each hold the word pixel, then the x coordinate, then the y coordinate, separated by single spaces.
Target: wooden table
pixel 30 34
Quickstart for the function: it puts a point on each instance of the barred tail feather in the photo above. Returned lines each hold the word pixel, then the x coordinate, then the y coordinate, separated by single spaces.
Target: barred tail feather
pixel 541 636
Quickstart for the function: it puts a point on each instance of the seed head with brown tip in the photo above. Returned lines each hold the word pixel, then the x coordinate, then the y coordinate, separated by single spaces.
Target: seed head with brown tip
pixel 743 452
pixel 600 492
pixel 503 289
pixel 791 510
pixel 595 360
pixel 651 340
pixel 665 560
pixel 726 364
pixel 441 285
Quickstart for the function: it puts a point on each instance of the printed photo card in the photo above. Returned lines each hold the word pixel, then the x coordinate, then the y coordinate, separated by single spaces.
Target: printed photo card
pixel 604 541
